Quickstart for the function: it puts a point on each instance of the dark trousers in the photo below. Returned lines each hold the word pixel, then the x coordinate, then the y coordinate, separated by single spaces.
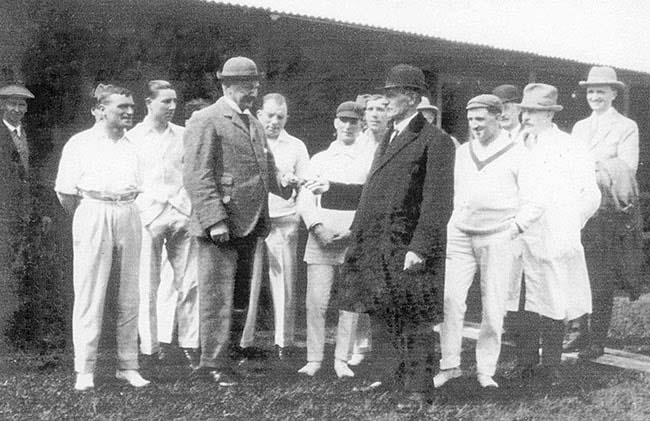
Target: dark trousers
pixel 402 353
pixel 217 265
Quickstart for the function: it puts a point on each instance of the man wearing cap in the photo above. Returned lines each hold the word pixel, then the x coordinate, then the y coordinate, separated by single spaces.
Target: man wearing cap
pixel 394 265
pixel 494 202
pixel 228 173
pixel 509 96
pixel 291 157
pixel 328 217
pixel 98 181
pixel 165 214
pixel 612 238
pixel 555 271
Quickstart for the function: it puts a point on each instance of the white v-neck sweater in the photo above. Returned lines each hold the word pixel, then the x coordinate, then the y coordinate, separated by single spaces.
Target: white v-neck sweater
pixel 492 194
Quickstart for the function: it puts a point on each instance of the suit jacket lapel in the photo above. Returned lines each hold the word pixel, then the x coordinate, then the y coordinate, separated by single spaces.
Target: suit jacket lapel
pixel 402 139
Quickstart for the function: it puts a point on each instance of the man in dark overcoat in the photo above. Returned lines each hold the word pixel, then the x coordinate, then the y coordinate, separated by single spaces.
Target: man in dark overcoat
pixel 228 172
pixel 394 266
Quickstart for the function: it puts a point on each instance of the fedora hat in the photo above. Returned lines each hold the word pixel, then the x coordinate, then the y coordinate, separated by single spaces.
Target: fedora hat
pixel 507 93
pixel 426 105
pixel 405 76
pixel 240 68
pixel 602 75
pixel 16 91
pixel 540 96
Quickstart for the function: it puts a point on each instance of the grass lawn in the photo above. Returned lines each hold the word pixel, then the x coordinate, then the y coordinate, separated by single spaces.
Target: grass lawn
pixel 40 387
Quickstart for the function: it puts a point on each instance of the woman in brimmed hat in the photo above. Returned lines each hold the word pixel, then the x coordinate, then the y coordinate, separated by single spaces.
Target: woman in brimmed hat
pixel 613 143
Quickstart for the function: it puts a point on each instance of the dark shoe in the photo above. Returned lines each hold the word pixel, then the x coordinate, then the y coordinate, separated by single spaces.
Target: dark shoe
pixel 192 357
pixel 254 353
pixel 591 352
pixel 415 401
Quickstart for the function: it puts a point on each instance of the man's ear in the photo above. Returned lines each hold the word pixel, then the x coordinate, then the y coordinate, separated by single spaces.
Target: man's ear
pixel 259 113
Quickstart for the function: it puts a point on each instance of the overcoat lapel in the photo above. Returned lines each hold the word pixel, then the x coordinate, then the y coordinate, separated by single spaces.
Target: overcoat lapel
pixel 400 142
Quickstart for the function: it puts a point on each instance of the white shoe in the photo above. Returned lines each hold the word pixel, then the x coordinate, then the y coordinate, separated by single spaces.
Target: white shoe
pixel 356 359
pixel 342 369
pixel 444 376
pixel 132 377
pixel 486 381
pixel 310 368
pixel 85 381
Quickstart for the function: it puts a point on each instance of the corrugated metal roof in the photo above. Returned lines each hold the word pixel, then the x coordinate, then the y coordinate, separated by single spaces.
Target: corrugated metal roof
pixel 614 32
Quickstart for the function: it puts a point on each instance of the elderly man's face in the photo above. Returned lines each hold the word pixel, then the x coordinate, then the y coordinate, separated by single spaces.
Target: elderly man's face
pixel 536 121
pixel 163 106
pixel 483 125
pixel 243 92
pixel 117 110
pixel 400 103
pixel 600 97
pixel 510 116
pixel 273 117
pixel 347 129
pixel 375 115
pixel 13 110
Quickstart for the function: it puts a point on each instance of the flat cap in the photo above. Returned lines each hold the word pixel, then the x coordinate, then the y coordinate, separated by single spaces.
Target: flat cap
pixel 507 93
pixel 350 109
pixel 16 91
pixel 485 101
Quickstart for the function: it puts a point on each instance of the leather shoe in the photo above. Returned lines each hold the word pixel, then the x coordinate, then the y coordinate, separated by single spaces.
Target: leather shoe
pixel 85 381
pixel 444 376
pixel 486 381
pixel 342 370
pixel 192 357
pixel 311 368
pixel 591 352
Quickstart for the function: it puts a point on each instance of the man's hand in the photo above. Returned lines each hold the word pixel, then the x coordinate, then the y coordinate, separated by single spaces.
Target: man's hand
pixel 318 185
pixel 290 180
pixel 324 235
pixel 46 224
pixel 412 261
pixel 219 233
pixel 342 238
pixel 69 202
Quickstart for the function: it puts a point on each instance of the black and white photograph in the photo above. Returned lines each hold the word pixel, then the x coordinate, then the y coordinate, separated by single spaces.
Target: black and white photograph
pixel 333 210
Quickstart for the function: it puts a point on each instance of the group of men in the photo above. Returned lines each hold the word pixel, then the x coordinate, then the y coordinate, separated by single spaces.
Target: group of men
pixel 395 210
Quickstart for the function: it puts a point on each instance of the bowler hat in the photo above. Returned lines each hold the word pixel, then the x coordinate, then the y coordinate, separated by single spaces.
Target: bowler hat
pixel 507 93
pixel 540 96
pixel 16 91
pixel 602 75
pixel 349 109
pixel 426 105
pixel 405 76
pixel 485 101
pixel 241 68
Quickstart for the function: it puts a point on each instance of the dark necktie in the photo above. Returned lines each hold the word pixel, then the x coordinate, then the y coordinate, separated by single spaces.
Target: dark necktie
pixel 21 146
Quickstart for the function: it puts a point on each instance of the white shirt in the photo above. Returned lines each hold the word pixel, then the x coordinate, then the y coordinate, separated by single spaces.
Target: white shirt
pixel 399 127
pixel 161 169
pixel 21 145
pixel 91 161
pixel 291 156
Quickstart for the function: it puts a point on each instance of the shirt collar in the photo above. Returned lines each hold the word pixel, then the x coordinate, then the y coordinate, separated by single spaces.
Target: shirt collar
pixel 147 127
pixel 402 124
pixel 11 127
pixel 234 106
pixel 604 116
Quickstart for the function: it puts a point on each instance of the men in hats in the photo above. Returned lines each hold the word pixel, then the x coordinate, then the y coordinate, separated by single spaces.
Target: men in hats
pixel 98 181
pixel 429 111
pixel 394 265
pixel 494 202
pixel 612 238
pixel 556 283
pixel 14 189
pixel 328 217
pixel 291 157
pixel 228 173
pixel 509 95
pixel 165 214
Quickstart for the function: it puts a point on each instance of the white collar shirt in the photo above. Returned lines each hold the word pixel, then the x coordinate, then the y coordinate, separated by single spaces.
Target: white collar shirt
pixel 291 157
pixel 399 127
pixel 91 161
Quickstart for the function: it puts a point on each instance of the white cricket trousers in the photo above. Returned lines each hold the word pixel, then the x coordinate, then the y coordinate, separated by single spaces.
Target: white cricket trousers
pixel 98 228
pixel 281 250
pixel 496 257
pixel 168 230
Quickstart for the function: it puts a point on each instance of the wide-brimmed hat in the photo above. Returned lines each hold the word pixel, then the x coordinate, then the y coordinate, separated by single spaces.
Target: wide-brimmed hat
pixel 485 101
pixel 602 75
pixel 239 68
pixel 426 105
pixel 350 109
pixel 507 93
pixel 405 76
pixel 16 91
pixel 540 96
